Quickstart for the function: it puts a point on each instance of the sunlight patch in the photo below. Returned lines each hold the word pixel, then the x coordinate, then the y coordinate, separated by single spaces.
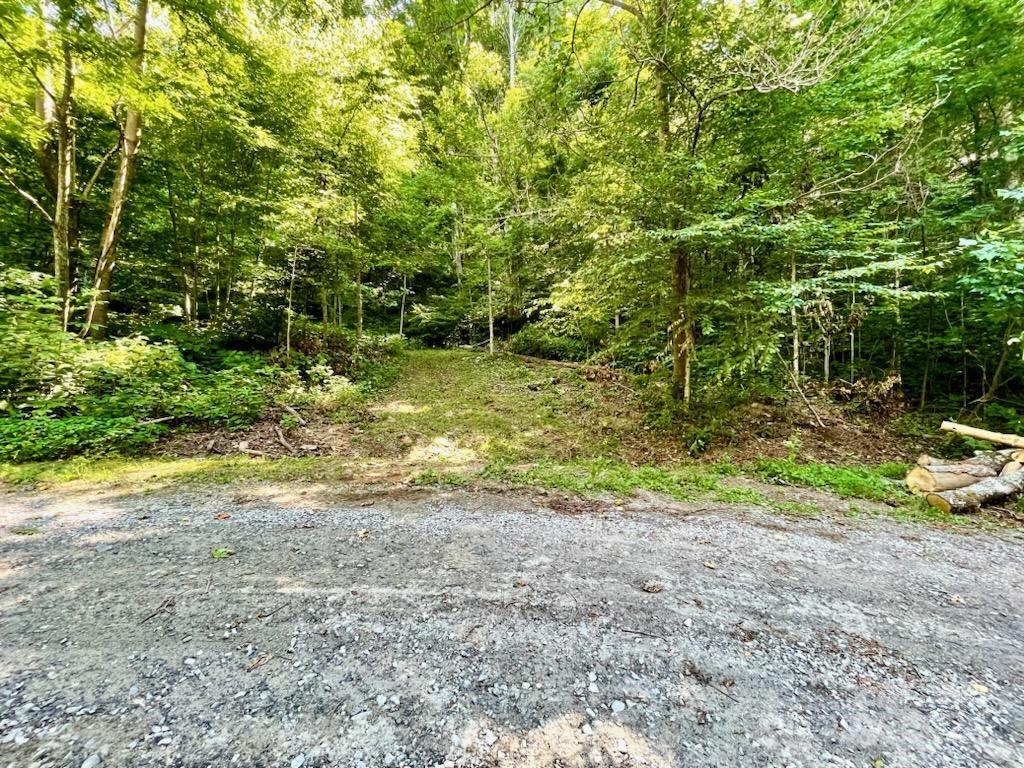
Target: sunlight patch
pixel 443 449
pixel 400 406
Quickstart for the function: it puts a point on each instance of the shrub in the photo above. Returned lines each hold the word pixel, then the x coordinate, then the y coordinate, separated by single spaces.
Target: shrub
pixel 40 437
pixel 539 340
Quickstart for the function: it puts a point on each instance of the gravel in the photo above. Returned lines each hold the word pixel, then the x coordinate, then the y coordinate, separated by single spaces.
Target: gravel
pixel 471 628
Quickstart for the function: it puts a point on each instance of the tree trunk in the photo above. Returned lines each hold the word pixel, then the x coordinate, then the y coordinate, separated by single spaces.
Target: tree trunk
pixel 359 303
pixel 997 375
pixel 793 319
pixel 66 181
pixel 682 326
pixel 490 307
pixel 827 356
pixel 513 41
pixel 931 477
pixel 96 316
pixel 288 311
pixel 401 311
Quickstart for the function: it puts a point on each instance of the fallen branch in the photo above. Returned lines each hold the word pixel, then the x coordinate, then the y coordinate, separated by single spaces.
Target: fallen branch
pixel 283 441
pixel 796 383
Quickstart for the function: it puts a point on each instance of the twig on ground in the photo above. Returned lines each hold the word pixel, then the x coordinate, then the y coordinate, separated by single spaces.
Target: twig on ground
pixel 165 605
pixel 296 414
pixel 283 441
pixel 259 661
pixel 262 615
pixel 641 632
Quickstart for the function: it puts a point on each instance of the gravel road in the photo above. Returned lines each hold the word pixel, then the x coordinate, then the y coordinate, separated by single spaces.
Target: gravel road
pixel 425 627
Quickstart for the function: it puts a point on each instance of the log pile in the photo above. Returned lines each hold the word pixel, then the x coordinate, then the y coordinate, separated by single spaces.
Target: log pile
pixel 969 484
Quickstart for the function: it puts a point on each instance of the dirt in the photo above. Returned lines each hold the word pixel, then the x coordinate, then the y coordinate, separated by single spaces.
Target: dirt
pixel 417 627
pixel 849 436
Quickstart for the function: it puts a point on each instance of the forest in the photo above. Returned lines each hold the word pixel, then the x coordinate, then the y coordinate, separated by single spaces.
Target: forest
pixel 206 202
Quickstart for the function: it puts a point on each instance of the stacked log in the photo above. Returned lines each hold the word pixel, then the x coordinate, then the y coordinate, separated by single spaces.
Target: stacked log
pixel 969 484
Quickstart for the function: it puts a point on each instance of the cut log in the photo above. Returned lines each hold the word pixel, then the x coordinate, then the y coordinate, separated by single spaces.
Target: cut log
pixel 929 480
pixel 983 434
pixel 1011 467
pixel 934 475
pixel 974 496
pixel 967 467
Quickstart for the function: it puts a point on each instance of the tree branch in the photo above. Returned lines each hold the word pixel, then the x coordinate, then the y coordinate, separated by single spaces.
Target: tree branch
pixel 27 196
pixel 633 9
pixel 96 173
pixel 23 60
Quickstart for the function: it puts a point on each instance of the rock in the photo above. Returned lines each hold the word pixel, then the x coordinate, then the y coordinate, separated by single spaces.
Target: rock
pixel 586 730
pixel 618 706
pixel 593 688
pixel 653 587
pixel 91 761
pixel 382 700
pixel 298 761
pixel 489 738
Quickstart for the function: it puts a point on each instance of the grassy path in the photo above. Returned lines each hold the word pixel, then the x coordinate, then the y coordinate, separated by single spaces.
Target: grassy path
pixel 484 409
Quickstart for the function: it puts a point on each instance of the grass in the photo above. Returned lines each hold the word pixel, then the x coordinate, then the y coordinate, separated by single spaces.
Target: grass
pixel 121 471
pixel 495 409
pixel 433 477
pixel 881 483
pixel 590 476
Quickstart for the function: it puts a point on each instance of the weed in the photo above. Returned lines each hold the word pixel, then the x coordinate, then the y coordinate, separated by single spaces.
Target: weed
pixel 434 477
pixel 741 496
pixel 849 482
pixel 609 476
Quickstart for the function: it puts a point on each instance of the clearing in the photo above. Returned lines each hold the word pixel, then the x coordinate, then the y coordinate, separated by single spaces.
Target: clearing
pixel 435 590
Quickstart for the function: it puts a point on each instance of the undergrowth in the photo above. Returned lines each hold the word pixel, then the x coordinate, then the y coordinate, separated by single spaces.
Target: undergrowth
pixel 882 483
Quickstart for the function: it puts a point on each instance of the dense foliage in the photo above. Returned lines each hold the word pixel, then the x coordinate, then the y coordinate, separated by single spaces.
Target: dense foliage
pixel 718 195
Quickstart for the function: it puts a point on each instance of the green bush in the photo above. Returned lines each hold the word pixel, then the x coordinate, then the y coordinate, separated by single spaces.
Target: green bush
pixel 539 340
pixel 61 395
pixel 41 437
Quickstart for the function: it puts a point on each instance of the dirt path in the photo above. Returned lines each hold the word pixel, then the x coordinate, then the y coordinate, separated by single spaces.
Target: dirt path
pixel 424 628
